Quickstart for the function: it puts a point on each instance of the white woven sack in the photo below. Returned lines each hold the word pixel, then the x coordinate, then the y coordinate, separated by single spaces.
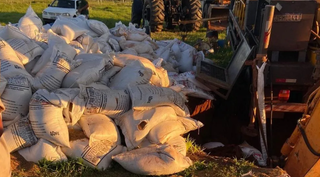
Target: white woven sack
pixel 12 32
pixel 178 142
pixel 19 135
pixel 135 125
pixel 186 61
pixel 145 97
pixel 98 127
pixel 98 27
pixel 90 70
pixel 159 77
pixel 46 116
pixel 16 97
pixel 75 106
pixel 69 30
pixel 10 63
pixel 129 51
pixel 169 129
pixel 43 149
pixel 108 74
pixel 53 40
pixel 61 63
pixel 114 44
pixel 102 100
pixel 29 66
pixel 140 47
pixel 5 169
pixel 26 50
pixel 80 21
pixel 30 24
pixel 3 83
pixel 134 73
pixel 153 160
pixel 86 41
pixel 98 155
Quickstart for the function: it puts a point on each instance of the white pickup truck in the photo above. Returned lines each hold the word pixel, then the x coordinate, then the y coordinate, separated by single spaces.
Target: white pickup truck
pixel 66 8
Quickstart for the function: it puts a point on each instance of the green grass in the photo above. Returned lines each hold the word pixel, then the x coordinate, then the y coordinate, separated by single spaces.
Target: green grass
pixel 235 168
pixel 192 147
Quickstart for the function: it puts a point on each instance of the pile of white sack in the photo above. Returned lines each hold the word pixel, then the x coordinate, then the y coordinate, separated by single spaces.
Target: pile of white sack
pixel 79 74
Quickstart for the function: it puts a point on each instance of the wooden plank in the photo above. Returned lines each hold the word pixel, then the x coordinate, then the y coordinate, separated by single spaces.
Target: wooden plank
pixel 286 107
pixel 301 160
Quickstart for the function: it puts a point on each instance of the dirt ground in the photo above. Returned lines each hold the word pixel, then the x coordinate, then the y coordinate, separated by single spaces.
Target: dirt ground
pixel 21 167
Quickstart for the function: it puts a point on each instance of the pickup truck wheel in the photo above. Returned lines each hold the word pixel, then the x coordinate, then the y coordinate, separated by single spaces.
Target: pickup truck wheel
pixel 153 14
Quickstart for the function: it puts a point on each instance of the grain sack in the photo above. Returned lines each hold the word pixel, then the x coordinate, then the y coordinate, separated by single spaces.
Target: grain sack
pixel 98 127
pixel 10 63
pixel 189 76
pixel 124 59
pixel 3 83
pixel 146 97
pixel 46 116
pixel 29 66
pixel 98 155
pixel 159 77
pixel 75 106
pixel 53 40
pixel 5 164
pixel 136 36
pixel 150 57
pixel 191 89
pixel 80 21
pixel 134 73
pixel 176 50
pixel 169 129
pixel 12 32
pixel 102 100
pixel 30 24
pixel 178 142
pixel 43 150
pixel 160 160
pixel 135 125
pixel 90 70
pixel 86 41
pixel 26 50
pixel 114 44
pixel 98 27
pixel 140 47
pixel 108 74
pixel 77 46
pixel 61 62
pixel 69 30
pixel 16 97
pixel 187 60
pixel 19 135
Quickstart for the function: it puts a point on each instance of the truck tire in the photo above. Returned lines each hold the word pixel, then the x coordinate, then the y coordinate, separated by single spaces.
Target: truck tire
pixel 191 11
pixel 153 14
